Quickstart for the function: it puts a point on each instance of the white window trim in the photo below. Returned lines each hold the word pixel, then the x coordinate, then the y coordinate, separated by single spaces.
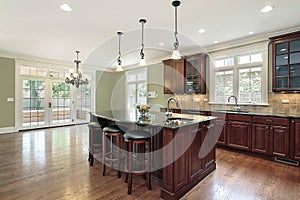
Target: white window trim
pixel 233 52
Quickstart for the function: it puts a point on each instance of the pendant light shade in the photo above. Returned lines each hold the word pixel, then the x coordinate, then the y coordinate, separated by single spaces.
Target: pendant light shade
pixel 75 77
pixel 142 61
pixel 176 53
pixel 119 67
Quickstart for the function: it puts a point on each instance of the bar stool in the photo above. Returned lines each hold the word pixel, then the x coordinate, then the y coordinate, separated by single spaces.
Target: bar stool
pixel 135 140
pixel 111 132
pixel 94 139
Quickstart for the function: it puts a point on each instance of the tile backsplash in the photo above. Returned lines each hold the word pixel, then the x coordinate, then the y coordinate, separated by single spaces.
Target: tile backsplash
pixel 278 103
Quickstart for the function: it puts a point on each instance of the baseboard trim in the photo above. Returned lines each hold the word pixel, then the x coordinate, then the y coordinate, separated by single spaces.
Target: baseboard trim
pixel 7 130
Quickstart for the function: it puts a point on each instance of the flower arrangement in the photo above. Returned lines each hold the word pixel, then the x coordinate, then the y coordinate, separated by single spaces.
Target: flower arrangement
pixel 143 109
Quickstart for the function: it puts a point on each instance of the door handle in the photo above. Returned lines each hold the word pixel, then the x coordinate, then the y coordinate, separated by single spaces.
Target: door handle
pixel 50 105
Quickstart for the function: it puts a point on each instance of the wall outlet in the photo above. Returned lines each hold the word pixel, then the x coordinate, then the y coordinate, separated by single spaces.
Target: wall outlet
pixel 196 99
pixel 286 101
pixel 9 99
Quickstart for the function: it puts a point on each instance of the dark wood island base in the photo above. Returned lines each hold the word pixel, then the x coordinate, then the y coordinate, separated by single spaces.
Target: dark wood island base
pixel 183 152
pixel 188 170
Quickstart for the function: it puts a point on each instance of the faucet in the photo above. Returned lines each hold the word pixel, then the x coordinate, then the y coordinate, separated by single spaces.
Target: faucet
pixel 168 104
pixel 236 107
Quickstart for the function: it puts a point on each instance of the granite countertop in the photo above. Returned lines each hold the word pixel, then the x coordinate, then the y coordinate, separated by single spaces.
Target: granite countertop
pixel 174 121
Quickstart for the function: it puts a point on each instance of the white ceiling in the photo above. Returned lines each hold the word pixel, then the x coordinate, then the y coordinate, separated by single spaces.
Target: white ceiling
pixel 40 28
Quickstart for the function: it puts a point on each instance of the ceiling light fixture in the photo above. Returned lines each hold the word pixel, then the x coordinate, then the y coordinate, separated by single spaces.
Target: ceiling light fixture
pixel 267 9
pixel 201 30
pixel 66 7
pixel 216 42
pixel 119 67
pixel 251 33
pixel 142 61
pixel 176 53
pixel 75 78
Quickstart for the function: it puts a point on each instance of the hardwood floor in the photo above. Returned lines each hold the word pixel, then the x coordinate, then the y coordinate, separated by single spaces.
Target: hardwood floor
pixel 52 164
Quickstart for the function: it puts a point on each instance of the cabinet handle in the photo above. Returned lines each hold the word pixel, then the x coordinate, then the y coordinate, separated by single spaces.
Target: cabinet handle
pixel 228 123
pixel 271 128
pixel 267 127
pixel 269 120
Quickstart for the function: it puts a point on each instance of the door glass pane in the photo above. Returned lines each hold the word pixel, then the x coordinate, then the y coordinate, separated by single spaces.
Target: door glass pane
pixel 282 48
pixel 282 59
pixel 142 97
pixel 33 111
pixel 83 103
pixel 282 82
pixel 295 82
pixel 295 70
pixel 295 46
pixel 282 70
pixel 61 109
pixel 294 58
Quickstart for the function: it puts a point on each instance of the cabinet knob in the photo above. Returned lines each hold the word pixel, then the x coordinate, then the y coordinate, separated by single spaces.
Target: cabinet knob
pixel 267 127
pixel 269 120
pixel 293 121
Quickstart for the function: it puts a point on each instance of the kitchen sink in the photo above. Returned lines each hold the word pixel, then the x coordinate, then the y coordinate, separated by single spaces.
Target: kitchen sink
pixel 175 121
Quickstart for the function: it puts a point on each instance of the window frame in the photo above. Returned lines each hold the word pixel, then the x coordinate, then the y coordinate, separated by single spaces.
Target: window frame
pixel 235 52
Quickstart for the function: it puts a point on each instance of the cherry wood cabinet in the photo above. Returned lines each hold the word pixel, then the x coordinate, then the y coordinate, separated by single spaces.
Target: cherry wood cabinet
pixel 270 135
pixel 295 150
pixel 174 79
pixel 195 73
pixel 186 75
pixel 286 62
pixel 238 129
pixel 184 168
pixel 220 128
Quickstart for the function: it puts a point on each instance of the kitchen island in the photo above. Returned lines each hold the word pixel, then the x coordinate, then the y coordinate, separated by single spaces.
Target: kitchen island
pixel 183 146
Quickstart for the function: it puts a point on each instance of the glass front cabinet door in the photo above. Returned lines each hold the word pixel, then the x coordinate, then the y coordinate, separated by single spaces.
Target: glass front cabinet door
pixel 286 62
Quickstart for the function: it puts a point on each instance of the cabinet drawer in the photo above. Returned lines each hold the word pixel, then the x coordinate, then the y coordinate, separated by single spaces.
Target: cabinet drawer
pixel 280 121
pixel 240 118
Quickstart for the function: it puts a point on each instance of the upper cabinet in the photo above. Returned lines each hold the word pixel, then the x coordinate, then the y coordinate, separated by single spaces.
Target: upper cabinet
pixel 174 81
pixel 196 73
pixel 186 75
pixel 286 62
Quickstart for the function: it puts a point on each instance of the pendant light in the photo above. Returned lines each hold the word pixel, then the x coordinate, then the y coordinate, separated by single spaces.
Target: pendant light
pixel 176 53
pixel 119 67
pixel 142 61
pixel 75 78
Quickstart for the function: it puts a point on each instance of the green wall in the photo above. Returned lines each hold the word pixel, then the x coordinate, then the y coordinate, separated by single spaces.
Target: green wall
pixel 110 91
pixel 7 89
pixel 156 83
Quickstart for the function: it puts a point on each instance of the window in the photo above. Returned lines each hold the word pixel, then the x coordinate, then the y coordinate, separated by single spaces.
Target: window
pixel 136 87
pixel 241 72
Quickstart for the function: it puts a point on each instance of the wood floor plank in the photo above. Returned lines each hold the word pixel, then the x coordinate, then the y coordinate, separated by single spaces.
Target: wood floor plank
pixel 52 164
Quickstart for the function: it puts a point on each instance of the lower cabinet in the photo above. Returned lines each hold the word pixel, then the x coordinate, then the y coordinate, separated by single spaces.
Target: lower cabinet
pixel 238 129
pixel 296 143
pixel 271 136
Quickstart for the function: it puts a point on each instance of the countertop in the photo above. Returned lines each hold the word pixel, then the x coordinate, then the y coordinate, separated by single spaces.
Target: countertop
pixel 174 121
pixel 272 114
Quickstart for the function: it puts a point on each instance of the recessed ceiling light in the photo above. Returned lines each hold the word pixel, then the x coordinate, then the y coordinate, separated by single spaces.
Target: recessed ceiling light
pixel 161 44
pixel 201 30
pixel 251 32
pixel 267 9
pixel 66 7
pixel 215 41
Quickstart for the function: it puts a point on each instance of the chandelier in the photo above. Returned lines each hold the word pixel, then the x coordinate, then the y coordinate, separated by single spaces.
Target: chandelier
pixel 75 78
